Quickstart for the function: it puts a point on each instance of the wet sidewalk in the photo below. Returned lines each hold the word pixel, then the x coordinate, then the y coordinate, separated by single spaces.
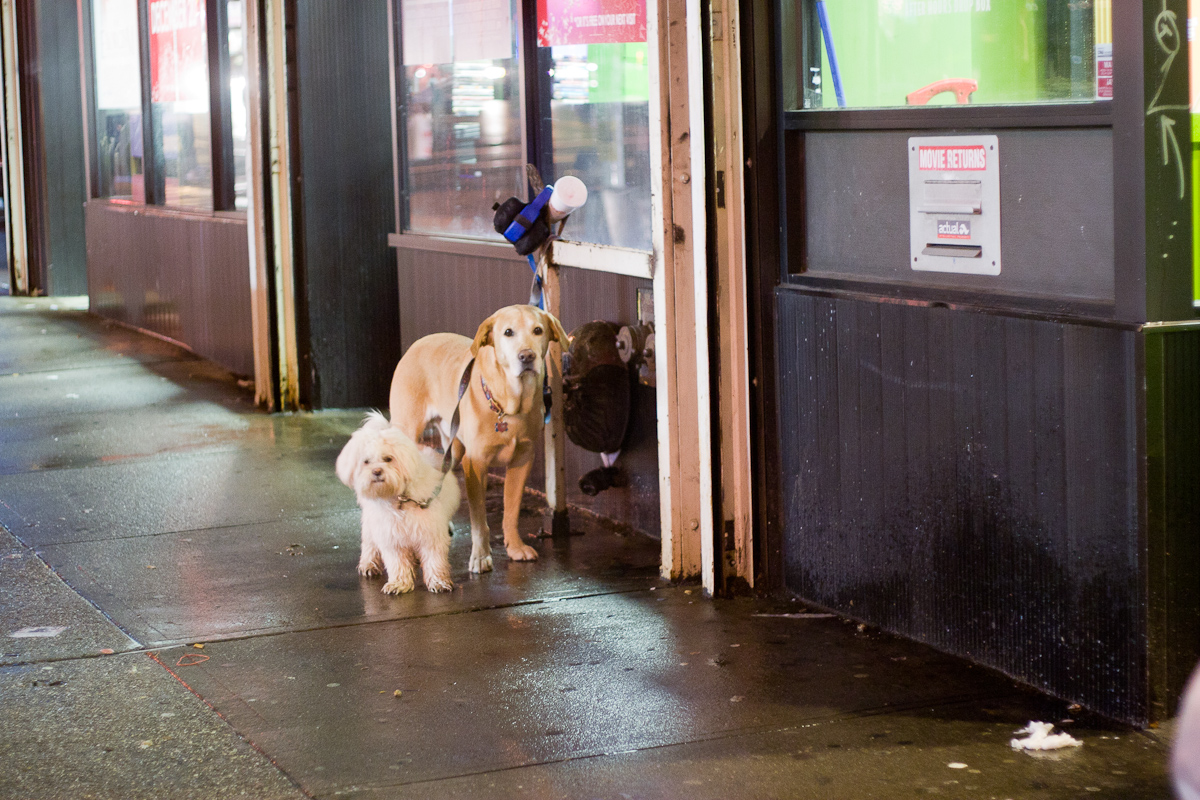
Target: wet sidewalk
pixel 179 571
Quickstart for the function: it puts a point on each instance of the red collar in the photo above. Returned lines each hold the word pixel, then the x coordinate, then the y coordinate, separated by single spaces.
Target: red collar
pixel 501 425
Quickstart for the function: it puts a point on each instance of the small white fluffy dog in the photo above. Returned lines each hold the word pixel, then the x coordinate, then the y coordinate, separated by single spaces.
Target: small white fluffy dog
pixel 400 523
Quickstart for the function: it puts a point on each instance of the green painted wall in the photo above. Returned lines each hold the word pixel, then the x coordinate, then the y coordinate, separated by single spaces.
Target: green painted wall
pixel 622 74
pixel 887 49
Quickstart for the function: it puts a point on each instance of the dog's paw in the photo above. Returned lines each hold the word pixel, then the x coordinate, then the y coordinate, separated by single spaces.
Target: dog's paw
pixel 480 564
pixel 522 552
pixel 398 586
pixel 369 569
pixel 439 584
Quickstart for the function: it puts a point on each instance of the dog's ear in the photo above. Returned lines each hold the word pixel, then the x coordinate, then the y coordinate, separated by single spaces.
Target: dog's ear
pixel 556 329
pixel 376 421
pixel 420 479
pixel 483 336
pixel 347 460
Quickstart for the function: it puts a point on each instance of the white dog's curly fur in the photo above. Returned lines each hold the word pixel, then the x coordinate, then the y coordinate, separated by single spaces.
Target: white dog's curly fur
pixel 391 480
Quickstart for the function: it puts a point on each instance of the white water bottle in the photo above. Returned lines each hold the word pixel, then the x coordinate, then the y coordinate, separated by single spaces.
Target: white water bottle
pixel 569 194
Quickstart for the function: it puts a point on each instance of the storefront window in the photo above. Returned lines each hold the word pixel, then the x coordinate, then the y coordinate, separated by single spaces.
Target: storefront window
pixel 179 100
pixel 239 99
pixel 599 107
pixel 884 53
pixel 462 98
pixel 600 127
pixel 118 100
pixel 464 133
pixel 173 38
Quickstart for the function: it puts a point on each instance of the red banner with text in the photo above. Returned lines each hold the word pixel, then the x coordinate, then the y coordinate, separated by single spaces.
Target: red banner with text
pixel 178 51
pixel 591 22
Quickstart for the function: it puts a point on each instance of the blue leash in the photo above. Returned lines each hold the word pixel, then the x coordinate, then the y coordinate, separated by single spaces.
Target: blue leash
pixel 536 296
pixel 829 48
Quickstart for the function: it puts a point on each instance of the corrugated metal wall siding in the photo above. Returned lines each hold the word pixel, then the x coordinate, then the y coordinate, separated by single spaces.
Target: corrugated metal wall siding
pixel 61 130
pixel 181 275
pixel 1173 553
pixel 970 481
pixel 448 292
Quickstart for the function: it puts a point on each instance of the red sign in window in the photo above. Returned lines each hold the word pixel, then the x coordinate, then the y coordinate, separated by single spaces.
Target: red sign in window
pixel 591 22
pixel 178 51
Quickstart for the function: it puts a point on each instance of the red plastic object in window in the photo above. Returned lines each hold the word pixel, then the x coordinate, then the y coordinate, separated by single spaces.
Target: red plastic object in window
pixel 962 88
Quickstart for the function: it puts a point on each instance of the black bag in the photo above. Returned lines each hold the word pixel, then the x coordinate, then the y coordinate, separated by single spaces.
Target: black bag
pixel 523 224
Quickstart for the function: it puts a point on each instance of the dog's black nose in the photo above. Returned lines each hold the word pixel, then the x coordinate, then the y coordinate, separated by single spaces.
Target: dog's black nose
pixel 377 471
pixel 526 357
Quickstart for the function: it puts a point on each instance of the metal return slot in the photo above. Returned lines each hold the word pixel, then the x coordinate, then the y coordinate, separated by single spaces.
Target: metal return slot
pixel 952 197
pixel 953 250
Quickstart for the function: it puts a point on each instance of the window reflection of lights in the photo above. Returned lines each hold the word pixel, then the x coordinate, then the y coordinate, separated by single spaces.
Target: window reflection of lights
pixel 420 73
pixel 472 87
pixel 571 77
pixel 237 107
pixel 496 73
pixel 593 66
pixel 466 131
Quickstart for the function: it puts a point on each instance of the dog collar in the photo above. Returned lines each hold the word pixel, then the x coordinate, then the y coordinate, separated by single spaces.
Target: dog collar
pixel 501 425
pixel 401 500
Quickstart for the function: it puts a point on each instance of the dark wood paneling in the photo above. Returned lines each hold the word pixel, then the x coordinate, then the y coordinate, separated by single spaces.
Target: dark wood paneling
pixel 346 272
pixel 971 481
pixel 185 276
pixel 448 292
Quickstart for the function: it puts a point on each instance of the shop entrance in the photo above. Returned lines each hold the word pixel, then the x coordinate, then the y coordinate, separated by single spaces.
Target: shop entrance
pixel 481 94
pixel 965 436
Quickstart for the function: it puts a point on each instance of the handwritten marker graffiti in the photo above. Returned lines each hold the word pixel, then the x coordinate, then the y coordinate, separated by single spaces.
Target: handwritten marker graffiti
pixel 1166 32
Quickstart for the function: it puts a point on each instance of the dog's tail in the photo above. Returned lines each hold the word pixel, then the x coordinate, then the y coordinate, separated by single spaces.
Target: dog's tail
pixel 376 421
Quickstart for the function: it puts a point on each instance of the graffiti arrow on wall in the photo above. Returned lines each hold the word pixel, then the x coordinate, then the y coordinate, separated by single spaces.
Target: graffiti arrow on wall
pixel 1167 126
pixel 1166 31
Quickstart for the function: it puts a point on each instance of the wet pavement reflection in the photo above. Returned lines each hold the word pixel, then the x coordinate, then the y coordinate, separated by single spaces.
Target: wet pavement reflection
pixel 152 508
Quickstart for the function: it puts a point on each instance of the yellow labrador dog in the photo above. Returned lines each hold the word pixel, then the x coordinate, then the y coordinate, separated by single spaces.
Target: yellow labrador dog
pixel 501 412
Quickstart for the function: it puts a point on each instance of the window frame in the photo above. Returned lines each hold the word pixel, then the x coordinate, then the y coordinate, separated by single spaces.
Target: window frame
pixel 220 113
pixel 791 187
pixel 1040 113
pixel 534 63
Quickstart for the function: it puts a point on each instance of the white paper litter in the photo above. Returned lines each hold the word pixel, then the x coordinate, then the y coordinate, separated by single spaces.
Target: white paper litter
pixel 1041 738
pixel 38 632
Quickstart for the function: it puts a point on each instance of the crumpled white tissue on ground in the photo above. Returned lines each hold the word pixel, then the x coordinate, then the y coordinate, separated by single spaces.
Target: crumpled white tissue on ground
pixel 1041 738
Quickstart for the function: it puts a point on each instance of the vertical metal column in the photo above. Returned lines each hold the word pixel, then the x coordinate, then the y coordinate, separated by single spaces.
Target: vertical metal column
pixel 555 434
pixel 14 154
pixel 266 392
pixel 280 166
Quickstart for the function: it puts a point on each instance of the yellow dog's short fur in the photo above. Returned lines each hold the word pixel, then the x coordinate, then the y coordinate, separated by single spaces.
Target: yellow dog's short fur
pixel 510 358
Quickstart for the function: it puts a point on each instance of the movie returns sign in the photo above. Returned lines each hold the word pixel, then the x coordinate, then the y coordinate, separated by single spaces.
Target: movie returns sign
pixel 954 204
pixel 952 158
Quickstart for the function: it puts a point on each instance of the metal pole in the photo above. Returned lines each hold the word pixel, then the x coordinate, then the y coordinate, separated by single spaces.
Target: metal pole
pixel 555 439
